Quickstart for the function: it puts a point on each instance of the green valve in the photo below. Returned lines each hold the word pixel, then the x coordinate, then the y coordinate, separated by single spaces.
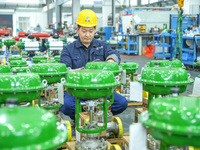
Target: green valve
pixel 48 61
pixel 130 67
pixel 166 63
pixel 30 128
pixel 18 63
pixel 22 69
pixel 174 120
pixel 24 87
pixel 52 72
pixel 159 80
pixel 97 83
pixel 37 59
pixel 9 42
pixel 5 69
pixel 57 58
pixel 19 44
pixel 14 58
pixel 104 65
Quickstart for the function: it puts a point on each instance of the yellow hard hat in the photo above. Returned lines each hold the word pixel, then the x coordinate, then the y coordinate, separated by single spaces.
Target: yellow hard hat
pixel 87 18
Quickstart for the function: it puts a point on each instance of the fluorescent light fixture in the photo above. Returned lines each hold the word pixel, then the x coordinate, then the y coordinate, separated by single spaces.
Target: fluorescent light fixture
pixel 7 11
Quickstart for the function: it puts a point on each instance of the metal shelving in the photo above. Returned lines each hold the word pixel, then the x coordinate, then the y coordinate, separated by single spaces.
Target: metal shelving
pixel 163 45
pixel 128 43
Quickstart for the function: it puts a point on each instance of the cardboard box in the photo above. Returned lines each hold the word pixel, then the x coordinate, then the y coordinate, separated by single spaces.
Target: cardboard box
pixel 145 103
pixel 71 145
pixel 126 142
pixel 137 112
pixel 192 95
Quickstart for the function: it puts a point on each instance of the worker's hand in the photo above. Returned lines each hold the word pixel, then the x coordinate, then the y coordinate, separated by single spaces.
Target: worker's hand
pixel 77 69
pixel 45 52
pixel 110 60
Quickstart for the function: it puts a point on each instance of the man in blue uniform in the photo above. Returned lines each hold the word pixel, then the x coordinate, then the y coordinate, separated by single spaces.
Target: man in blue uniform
pixel 86 49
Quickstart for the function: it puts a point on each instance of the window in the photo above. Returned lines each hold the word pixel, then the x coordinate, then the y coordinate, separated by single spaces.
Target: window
pixel 24 23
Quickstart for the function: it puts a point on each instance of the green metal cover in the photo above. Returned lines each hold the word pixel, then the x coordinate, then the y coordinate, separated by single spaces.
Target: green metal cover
pixel 22 69
pixel 9 42
pixel 48 61
pixel 57 58
pixel 18 63
pixel 104 65
pixel 24 87
pixel 14 58
pixel 19 44
pixel 166 63
pixel 174 120
pixel 130 67
pixel 30 128
pixel 90 83
pixel 159 80
pixel 5 69
pixel 52 72
pixel 37 59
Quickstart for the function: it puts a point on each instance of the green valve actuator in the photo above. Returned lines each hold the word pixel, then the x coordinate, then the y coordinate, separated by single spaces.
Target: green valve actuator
pixel 91 84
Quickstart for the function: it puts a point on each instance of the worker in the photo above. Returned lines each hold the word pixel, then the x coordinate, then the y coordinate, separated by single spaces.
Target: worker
pixel 86 49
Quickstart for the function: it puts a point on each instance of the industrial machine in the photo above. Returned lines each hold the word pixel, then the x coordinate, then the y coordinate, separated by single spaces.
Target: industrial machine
pixel 54 46
pixel 35 128
pixel 94 86
pixel 54 75
pixel 30 46
pixel 162 76
pixel 173 120
pixel 127 76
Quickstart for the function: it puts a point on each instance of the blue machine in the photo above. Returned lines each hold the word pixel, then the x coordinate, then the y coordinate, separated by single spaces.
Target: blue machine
pixel 189 54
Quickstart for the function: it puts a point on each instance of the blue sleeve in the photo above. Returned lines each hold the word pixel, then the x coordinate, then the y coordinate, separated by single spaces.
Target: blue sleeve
pixel 65 57
pixel 109 51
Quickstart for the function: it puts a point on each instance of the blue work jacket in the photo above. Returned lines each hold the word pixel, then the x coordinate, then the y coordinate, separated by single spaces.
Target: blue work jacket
pixel 75 55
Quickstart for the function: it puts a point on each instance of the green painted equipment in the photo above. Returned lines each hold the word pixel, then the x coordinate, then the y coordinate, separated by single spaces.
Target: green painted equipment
pixel 9 42
pixel 18 63
pixel 104 65
pixel 5 69
pixel 97 83
pixel 14 58
pixel 57 58
pixel 91 84
pixel 37 59
pixel 174 121
pixel 30 128
pixel 159 80
pixel 166 63
pixel 48 61
pixel 130 67
pixel 24 87
pixel 52 72
pixel 0 44
pixel 22 69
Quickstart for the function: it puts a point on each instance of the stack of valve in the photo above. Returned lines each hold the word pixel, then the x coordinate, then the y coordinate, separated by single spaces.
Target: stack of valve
pixel 17 88
pixel 91 87
pixel 169 118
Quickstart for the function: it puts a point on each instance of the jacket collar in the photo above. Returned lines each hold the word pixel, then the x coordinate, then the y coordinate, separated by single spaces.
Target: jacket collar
pixel 80 44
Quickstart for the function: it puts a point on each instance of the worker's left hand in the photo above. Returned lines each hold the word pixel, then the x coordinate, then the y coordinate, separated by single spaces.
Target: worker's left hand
pixel 110 60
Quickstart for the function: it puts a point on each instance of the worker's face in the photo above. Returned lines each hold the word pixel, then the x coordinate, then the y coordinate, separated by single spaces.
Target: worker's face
pixel 86 34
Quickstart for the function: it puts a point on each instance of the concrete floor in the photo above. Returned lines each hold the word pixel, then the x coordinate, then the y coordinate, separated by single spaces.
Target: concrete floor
pixel 128 116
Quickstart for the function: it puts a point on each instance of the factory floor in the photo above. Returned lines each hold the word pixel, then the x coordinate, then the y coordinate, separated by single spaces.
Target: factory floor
pixel 128 116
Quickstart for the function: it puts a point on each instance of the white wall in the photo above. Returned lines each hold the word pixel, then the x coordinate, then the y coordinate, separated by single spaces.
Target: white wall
pixel 36 17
